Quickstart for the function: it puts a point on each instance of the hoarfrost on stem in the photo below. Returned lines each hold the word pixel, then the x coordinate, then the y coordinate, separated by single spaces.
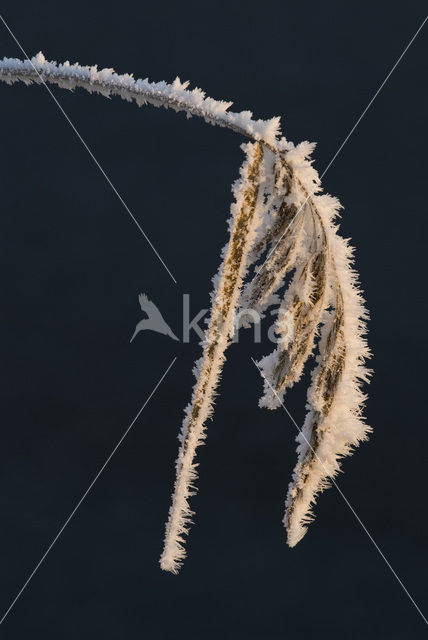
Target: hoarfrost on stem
pixel 281 225
pixel 175 96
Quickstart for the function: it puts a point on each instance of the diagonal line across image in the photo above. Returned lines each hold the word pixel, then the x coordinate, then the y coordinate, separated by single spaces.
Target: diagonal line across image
pixel 302 206
pixel 332 480
pixel 48 550
pixel 173 361
pixel 121 200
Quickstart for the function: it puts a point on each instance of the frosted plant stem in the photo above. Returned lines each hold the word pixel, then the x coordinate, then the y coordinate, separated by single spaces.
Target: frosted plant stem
pixel 279 209
pixel 218 337
pixel 334 424
pixel 175 96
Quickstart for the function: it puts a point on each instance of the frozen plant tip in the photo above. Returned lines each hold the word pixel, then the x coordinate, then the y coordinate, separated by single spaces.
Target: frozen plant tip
pixel 283 242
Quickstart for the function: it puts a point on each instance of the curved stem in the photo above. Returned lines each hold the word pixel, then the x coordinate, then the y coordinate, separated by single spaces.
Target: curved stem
pixel 174 96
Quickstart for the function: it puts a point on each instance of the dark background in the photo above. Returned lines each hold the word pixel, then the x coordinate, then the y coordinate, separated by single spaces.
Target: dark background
pixel 72 264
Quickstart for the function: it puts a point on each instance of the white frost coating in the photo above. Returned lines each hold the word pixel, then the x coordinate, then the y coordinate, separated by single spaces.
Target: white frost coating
pixel 176 96
pixel 342 427
pixel 247 215
pixel 334 424
pixel 279 212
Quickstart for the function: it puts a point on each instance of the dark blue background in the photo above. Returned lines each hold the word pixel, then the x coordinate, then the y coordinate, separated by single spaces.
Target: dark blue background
pixel 72 264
